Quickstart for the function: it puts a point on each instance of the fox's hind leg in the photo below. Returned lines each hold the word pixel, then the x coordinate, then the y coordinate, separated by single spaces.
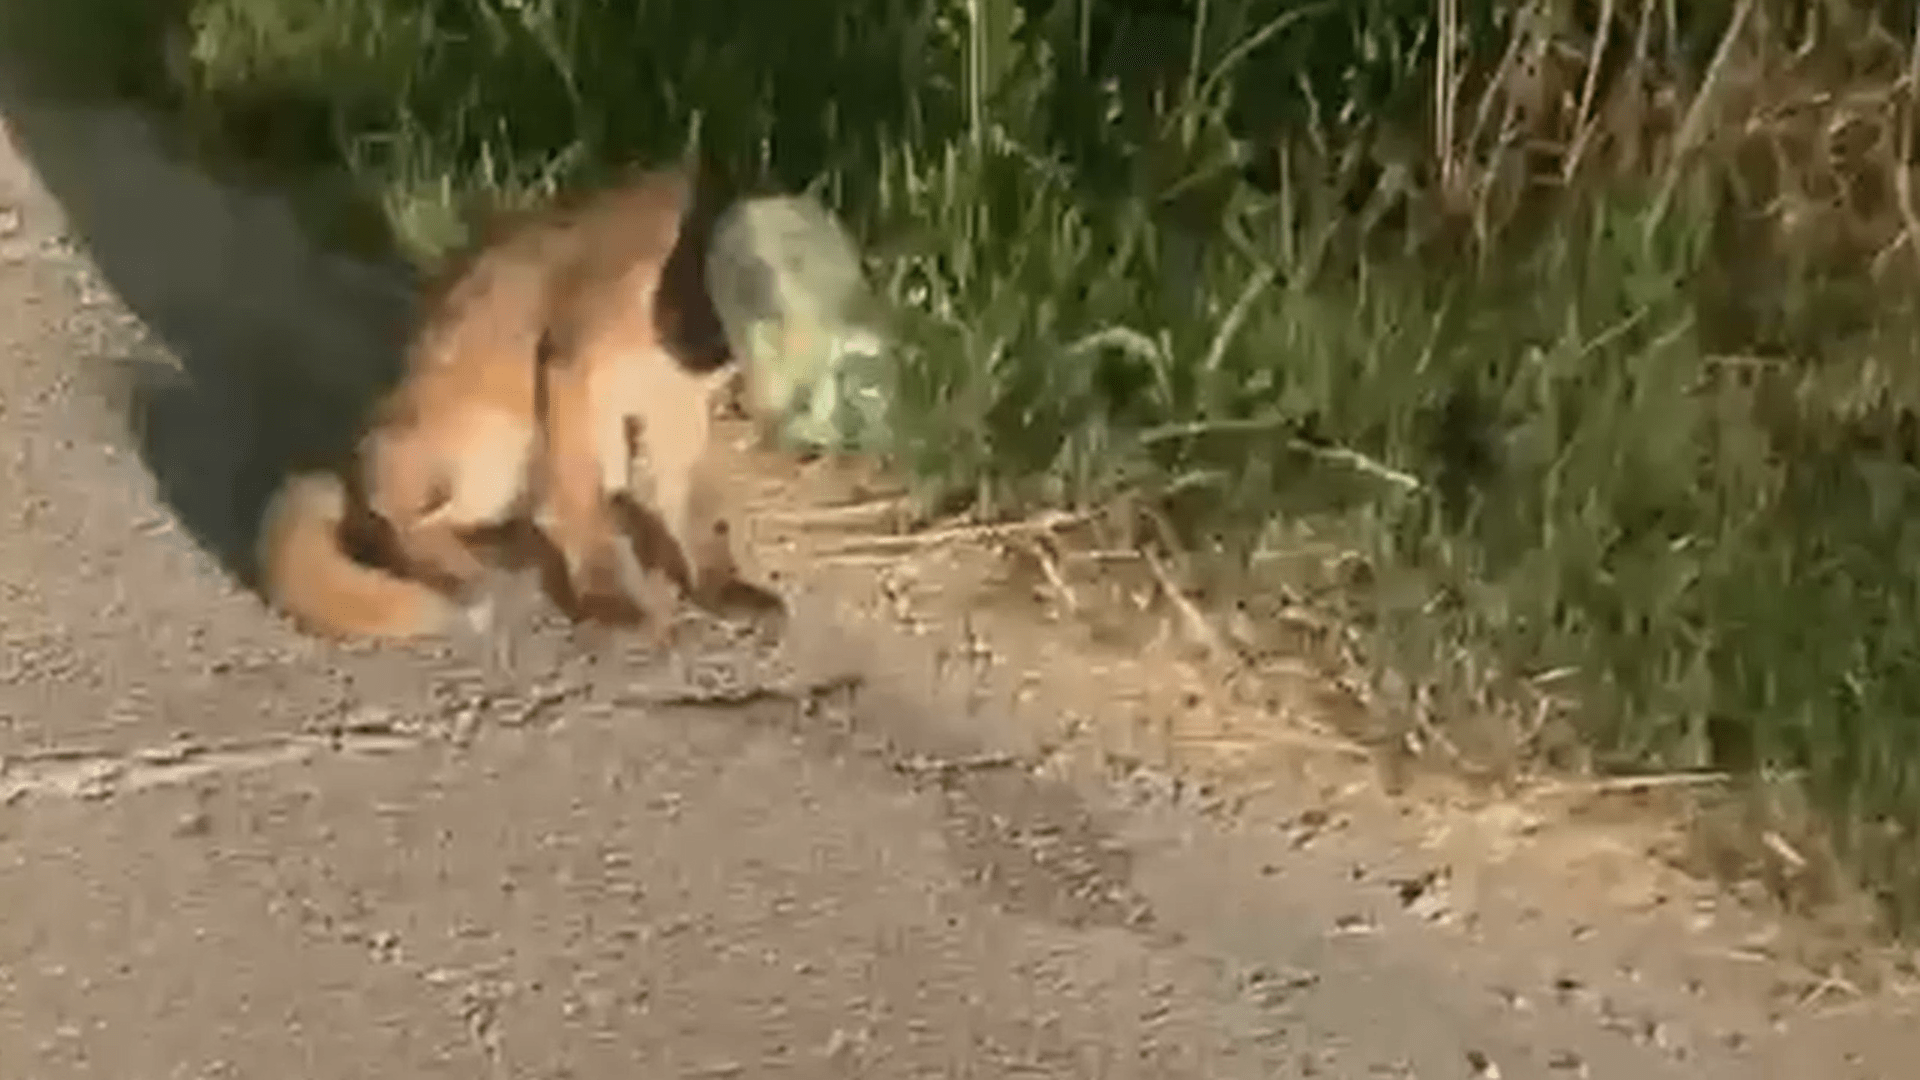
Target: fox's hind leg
pixel 418 500
pixel 583 437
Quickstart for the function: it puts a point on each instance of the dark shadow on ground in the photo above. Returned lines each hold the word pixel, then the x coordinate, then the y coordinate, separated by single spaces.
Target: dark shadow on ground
pixel 279 348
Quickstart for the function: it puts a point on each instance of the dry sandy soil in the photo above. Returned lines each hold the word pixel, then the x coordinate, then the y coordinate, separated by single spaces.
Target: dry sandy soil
pixel 945 832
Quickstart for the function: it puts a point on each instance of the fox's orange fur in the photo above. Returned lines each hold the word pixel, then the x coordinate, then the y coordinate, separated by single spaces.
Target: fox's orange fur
pixel 550 359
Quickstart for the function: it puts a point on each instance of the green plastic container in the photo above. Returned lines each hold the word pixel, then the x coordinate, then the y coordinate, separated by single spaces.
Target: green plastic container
pixel 787 284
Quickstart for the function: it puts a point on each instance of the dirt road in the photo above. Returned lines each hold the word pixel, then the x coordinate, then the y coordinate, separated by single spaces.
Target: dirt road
pixel 226 851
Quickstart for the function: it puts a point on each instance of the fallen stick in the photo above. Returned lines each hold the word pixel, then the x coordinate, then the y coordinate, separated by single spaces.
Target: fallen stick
pixel 1043 523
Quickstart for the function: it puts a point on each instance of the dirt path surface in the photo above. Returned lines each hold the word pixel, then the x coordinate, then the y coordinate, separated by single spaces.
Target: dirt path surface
pixel 227 851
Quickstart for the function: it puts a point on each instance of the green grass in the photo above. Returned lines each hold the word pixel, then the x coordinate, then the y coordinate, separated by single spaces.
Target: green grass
pixel 1596 342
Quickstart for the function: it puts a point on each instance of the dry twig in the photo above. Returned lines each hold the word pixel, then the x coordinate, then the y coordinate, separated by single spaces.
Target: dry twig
pixel 734 697
pixel 1043 523
pixel 1609 785
pixel 1198 627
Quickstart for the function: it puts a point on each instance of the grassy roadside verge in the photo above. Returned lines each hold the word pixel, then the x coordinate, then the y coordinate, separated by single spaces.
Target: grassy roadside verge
pixel 1586 341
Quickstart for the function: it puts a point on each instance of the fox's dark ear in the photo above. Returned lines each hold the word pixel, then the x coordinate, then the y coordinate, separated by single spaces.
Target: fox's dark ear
pixel 683 307
pixel 710 188
pixel 709 194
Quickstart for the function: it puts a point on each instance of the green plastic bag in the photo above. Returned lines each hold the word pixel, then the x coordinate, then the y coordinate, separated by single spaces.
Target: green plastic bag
pixel 787 284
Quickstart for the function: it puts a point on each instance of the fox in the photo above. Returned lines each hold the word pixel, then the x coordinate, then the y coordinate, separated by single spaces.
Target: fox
pixel 559 383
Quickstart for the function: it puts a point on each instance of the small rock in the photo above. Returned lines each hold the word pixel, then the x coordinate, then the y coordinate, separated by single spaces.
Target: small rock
pixel 101 781
pixel 1424 898
pixel 1354 924
pixel 843 1045
pixel 385 944
pixel 1274 988
pixel 1568 990
pixel 1306 828
pixel 1514 999
pixel 1567 1061
pixel 171 754
pixel 368 720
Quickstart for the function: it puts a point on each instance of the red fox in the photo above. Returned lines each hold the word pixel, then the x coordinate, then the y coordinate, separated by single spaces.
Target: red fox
pixel 558 374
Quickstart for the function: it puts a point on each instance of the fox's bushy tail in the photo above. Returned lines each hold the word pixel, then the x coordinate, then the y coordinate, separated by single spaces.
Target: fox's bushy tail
pixel 309 575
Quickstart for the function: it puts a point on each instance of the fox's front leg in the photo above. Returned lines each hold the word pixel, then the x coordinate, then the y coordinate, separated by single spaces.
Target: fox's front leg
pixel 691 504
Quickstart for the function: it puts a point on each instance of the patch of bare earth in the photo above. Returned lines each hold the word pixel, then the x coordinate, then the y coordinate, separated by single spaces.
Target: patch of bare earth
pixel 1614 895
